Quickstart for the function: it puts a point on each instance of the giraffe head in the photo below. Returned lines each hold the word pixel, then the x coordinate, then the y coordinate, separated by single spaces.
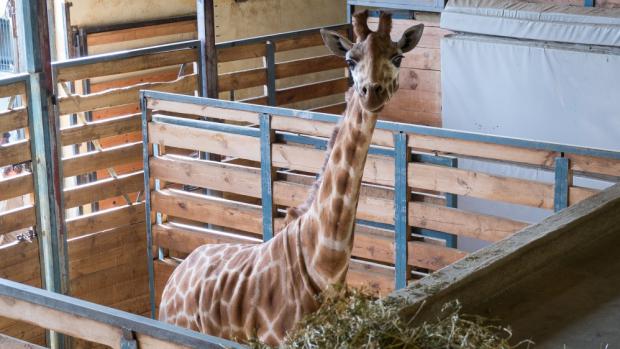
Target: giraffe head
pixel 374 59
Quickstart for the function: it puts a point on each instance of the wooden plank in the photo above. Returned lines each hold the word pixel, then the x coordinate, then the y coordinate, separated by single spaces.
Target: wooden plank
pixel 308 65
pixel 22 272
pixel 431 37
pixel 415 101
pixel 14 89
pixel 101 129
pixel 578 194
pixel 431 256
pixel 18 253
pixel 103 189
pixel 393 112
pixel 127 65
pixel 237 53
pixel 423 58
pixel 150 31
pixel 103 220
pixel 109 157
pixel 13 119
pixel 483 150
pixel 221 143
pixel 16 186
pixel 185 239
pixel 481 185
pixel 205 209
pixel 462 223
pixel 19 218
pixel 374 277
pixel 242 79
pixel 590 164
pixel 59 321
pixel 202 111
pixel 336 108
pixel 85 247
pixel 7 342
pixel 311 91
pixel 420 80
pixel 14 153
pixel 123 96
pixel 301 41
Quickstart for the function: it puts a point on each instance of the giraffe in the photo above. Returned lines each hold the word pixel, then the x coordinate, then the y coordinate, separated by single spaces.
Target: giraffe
pixel 240 291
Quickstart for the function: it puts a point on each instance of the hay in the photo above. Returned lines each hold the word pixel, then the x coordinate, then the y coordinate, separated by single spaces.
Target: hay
pixel 353 319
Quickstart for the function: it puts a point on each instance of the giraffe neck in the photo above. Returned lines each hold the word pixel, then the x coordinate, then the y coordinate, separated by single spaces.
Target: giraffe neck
pixel 327 227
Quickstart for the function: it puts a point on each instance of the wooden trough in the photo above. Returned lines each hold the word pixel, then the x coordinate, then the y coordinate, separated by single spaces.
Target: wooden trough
pixel 557 282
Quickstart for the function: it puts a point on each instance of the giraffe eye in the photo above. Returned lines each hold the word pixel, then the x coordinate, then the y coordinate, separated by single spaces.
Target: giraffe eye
pixel 351 63
pixel 397 61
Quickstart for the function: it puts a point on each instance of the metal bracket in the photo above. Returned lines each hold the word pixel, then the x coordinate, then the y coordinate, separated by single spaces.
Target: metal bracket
pixel 128 340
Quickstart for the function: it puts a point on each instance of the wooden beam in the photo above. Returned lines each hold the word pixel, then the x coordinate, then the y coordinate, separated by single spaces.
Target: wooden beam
pixel 311 91
pixel 308 65
pixel 15 89
pixel 208 58
pixel 101 129
pixel 127 65
pixel 123 96
pixel 103 220
pixel 15 153
pixel 236 53
pixel 206 209
pixel 16 186
pixel 19 218
pixel 13 119
pixel 7 342
pixel 109 157
pixel 242 79
pixel 104 189
pixel 186 239
pixel 149 31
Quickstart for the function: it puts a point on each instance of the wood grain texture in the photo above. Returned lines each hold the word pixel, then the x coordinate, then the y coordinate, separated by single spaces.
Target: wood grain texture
pixel 109 157
pixel 16 186
pixel 103 189
pixel 19 218
pixel 13 119
pixel 101 129
pixel 14 153
pixel 103 220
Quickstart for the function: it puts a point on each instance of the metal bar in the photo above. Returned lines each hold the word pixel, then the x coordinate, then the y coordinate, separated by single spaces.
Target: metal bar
pixel 12 79
pixel 46 152
pixel 128 340
pixel 207 125
pixel 266 175
pixel 112 317
pixel 389 126
pixel 106 57
pixel 147 201
pixel 401 5
pixel 206 35
pixel 270 62
pixel 401 207
pixel 452 201
pixel 279 36
pixel 114 27
pixel 562 183
pixel 588 3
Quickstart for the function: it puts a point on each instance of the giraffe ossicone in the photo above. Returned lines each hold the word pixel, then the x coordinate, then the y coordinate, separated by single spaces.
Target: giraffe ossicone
pixel 238 291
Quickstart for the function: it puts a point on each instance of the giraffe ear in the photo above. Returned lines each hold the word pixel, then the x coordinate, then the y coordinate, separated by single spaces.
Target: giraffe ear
pixel 411 37
pixel 338 44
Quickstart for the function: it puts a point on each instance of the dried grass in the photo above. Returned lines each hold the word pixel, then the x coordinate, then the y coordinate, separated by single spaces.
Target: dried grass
pixel 353 319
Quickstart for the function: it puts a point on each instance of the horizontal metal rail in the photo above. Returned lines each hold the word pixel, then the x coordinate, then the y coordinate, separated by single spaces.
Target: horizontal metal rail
pixel 388 125
pixel 106 57
pixel 278 36
pixel 112 317
pixel 25 77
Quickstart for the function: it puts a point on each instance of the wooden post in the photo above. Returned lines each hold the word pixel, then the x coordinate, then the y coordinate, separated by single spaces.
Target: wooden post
pixel 208 58
pixel 46 147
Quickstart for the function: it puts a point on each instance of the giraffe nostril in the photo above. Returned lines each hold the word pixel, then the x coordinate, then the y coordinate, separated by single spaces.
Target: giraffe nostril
pixel 364 90
pixel 378 89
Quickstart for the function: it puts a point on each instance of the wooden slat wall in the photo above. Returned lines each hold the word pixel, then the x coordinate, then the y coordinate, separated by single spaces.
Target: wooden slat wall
pixel 107 247
pixel 239 218
pixel 418 101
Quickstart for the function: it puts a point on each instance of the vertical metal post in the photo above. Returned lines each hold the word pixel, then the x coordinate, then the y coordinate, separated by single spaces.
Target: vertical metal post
pixel 401 207
pixel 452 201
pixel 208 58
pixel 270 62
pixel 562 183
pixel 45 148
pixel 266 174
pixel 147 201
pixel 588 3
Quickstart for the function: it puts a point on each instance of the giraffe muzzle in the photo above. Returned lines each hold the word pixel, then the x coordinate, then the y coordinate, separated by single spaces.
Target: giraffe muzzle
pixel 374 96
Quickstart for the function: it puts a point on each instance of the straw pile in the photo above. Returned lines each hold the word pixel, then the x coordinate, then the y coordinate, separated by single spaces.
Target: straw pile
pixel 353 319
